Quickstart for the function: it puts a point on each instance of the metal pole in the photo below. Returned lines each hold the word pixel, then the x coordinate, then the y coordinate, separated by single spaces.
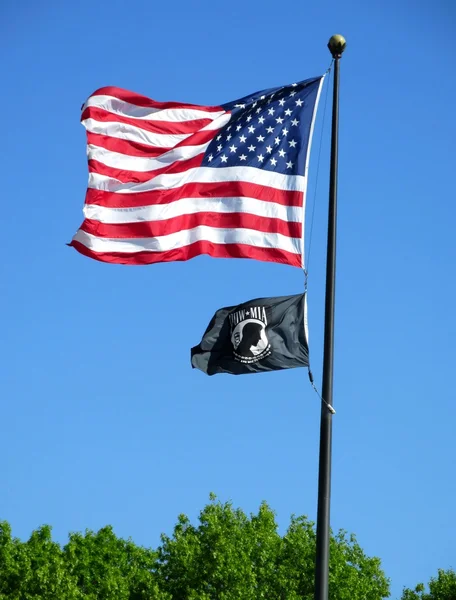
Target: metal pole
pixel 336 46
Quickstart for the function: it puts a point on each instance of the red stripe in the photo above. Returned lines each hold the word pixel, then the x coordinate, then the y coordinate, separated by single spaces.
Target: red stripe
pixel 223 189
pixel 188 252
pixel 124 146
pixel 150 229
pixel 140 100
pixel 138 149
pixel 179 166
pixel 166 127
pixel 198 138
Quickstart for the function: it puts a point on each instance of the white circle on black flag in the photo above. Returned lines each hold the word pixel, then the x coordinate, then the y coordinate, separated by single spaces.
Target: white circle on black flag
pixel 250 341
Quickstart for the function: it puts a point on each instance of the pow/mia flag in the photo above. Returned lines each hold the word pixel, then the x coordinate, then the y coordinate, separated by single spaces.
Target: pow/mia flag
pixel 266 334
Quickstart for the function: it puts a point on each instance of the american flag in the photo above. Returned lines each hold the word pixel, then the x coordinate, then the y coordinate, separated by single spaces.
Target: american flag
pixel 170 181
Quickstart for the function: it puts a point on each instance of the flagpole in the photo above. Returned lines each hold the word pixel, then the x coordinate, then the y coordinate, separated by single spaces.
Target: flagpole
pixel 336 46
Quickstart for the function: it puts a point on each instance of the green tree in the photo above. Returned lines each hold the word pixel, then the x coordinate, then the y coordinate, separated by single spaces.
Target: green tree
pixel 93 566
pixel 230 556
pixel 227 555
pixel 106 567
pixel 35 569
pixel 442 587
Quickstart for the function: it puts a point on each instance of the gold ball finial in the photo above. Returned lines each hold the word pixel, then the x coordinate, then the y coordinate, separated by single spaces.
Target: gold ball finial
pixel 337 45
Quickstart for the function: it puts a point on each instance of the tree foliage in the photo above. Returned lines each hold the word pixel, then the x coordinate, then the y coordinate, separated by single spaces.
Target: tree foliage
pixel 442 587
pixel 93 566
pixel 230 556
pixel 227 555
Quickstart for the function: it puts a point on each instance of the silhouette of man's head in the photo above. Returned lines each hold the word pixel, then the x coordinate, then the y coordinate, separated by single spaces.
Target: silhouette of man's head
pixel 251 335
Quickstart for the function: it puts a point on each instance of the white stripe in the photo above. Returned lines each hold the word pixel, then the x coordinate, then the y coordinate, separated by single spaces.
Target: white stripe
pixel 201 175
pixel 217 123
pixel 189 206
pixel 116 160
pixel 134 134
pixel 125 109
pixel 306 324
pixel 164 243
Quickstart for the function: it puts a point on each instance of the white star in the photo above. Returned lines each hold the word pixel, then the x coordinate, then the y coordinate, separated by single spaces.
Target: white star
pixel 294 84
pixel 228 137
pixel 289 165
pixel 260 138
pixel 260 158
pixel 243 157
pixel 242 139
pixel 273 162
pixel 254 104
pixel 292 143
pixel 282 102
pixel 292 93
pixel 210 157
pixel 271 111
pixel 249 118
pixel 261 120
pixel 277 140
pixel 269 149
pixel 288 112
pixel 299 102
pixel 284 131
pixel 251 129
pixel 219 147
pixel 269 129
pixel 219 137
pixel 281 153
pixel 252 148
pixel 262 97
pixel 279 120
pixel 258 110
pixel 294 122
pixel 223 158
pixel 239 106
pixel 228 128
pixel 233 148
pixel 238 127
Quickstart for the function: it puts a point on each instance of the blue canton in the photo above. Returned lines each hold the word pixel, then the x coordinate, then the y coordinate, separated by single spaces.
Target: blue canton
pixel 268 130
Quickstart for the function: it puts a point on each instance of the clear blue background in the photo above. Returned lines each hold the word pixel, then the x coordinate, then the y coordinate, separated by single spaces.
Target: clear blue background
pixel 102 418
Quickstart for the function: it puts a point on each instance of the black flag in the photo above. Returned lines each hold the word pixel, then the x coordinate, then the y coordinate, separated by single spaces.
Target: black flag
pixel 266 334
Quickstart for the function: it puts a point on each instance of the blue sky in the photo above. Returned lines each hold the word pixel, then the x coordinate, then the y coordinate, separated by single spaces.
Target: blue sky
pixel 103 420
